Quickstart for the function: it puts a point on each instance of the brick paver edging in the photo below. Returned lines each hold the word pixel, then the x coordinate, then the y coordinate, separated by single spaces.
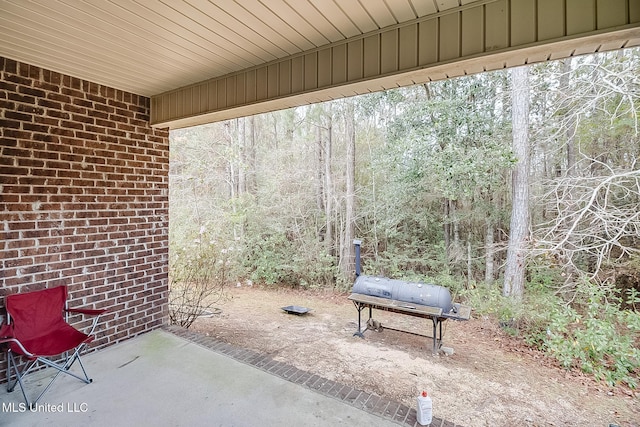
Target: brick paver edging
pixel 372 403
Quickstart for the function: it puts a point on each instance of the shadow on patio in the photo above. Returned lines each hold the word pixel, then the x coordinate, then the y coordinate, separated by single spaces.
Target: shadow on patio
pixel 173 377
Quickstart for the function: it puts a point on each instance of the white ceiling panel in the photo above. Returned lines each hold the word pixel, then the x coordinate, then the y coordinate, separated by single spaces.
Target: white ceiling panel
pixel 447 4
pixel 403 10
pixel 358 15
pixel 301 24
pixel 424 7
pixel 151 47
pixel 316 19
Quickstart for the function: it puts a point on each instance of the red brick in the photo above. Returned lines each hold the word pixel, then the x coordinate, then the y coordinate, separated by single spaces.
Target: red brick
pixel 86 135
pixel 81 169
pixel 7 105
pixel 27 99
pixel 20 80
pixel 18 116
pixel 18 262
pixel 104 108
pixel 38 93
pixel 58 97
pixel 72 82
pixel 72 125
pixel 72 93
pixel 6 85
pixel 52 77
pixel 54 108
pixel 117 103
pixel 75 109
pixel 35 72
pixel 11 124
pixel 30 109
pixel 23 243
pixel 46 86
pixel 82 119
pixel 45 137
pixel 83 103
pixel 17 283
pixel 35 128
pixel 95 129
pixel 10 66
pixel 96 97
pixel 47 121
pixel 99 115
pixel 61 131
pixel 18 134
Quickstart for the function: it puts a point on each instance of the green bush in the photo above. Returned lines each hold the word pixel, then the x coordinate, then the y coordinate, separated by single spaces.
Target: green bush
pixel 268 259
pixel 596 335
pixel 408 261
pixel 543 274
pixel 273 259
pixel 592 332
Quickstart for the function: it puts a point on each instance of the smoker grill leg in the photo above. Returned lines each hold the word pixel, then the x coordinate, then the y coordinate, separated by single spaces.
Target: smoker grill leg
pixel 360 307
pixel 435 336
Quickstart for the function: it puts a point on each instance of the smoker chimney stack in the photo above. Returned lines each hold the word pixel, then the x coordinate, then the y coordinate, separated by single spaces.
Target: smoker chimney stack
pixel 357 244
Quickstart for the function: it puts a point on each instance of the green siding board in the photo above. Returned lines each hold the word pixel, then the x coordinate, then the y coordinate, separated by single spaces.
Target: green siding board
pixel 496 25
pixel 408 45
pixel 581 17
pixel 449 40
pixel 472 31
pixel 523 22
pixel 428 42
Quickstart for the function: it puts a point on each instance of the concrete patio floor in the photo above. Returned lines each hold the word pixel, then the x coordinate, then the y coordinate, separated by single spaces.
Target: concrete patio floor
pixel 172 377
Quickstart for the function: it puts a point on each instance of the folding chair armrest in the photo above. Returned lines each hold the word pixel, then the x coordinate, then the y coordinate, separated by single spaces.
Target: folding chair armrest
pixel 87 311
pixel 8 340
pixel 5 331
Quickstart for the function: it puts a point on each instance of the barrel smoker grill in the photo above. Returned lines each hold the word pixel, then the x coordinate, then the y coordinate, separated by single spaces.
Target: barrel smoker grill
pixel 410 298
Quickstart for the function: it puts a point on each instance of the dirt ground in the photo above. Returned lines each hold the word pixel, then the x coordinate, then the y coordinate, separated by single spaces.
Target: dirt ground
pixel 491 379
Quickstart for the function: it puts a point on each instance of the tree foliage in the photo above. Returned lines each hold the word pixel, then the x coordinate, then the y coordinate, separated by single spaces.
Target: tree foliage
pixel 422 175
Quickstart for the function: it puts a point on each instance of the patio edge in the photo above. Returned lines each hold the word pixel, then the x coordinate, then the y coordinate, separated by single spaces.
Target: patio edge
pixel 385 408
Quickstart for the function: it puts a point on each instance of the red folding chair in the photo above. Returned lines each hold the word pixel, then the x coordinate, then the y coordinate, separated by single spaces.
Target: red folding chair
pixel 37 329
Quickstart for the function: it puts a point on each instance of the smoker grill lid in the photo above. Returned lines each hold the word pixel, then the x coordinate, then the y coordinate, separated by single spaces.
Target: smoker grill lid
pixel 296 309
pixel 423 294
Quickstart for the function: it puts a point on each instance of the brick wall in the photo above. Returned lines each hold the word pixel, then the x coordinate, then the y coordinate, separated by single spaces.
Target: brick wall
pixel 83 197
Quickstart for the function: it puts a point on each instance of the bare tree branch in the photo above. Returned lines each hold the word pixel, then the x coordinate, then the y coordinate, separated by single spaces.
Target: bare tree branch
pixel 596 220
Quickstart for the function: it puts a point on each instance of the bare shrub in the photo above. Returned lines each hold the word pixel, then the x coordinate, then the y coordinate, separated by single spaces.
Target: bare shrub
pixel 198 276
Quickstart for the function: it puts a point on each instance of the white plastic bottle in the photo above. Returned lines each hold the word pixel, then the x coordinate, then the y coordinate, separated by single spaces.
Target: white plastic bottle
pixel 425 409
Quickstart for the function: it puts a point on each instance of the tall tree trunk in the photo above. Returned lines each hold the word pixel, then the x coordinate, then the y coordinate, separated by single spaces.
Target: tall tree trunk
pixel 456 250
pixel 347 259
pixel 328 185
pixel 490 251
pixel 570 124
pixel 319 175
pixel 232 174
pixel 519 226
pixel 446 229
pixel 469 260
pixel 231 135
pixel 252 183
pixel 241 131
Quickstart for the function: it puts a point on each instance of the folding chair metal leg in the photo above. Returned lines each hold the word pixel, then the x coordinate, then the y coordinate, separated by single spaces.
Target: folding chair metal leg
pixel 19 376
pixel 61 369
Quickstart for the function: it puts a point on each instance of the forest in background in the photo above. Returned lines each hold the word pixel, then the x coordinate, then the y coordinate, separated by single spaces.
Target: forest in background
pixel 428 177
